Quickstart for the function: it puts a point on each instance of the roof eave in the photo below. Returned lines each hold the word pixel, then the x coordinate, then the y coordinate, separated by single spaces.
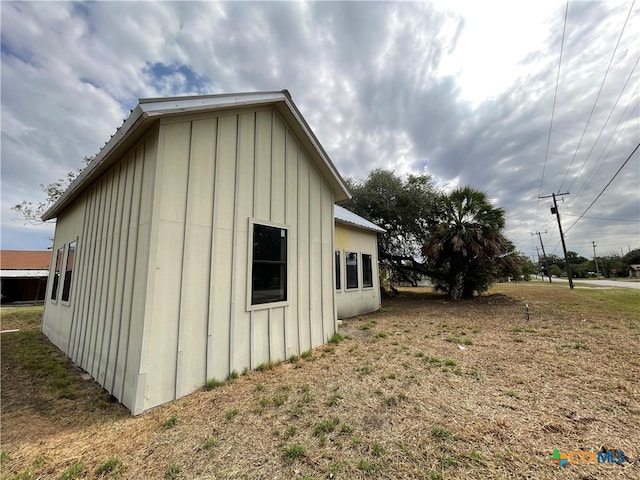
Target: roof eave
pixel 150 108
pixel 361 227
pixel 137 118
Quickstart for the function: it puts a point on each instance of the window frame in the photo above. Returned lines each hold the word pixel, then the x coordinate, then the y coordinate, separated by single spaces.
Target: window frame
pixel 250 306
pixel 337 264
pixel 57 270
pixel 363 255
pixel 67 301
pixel 346 271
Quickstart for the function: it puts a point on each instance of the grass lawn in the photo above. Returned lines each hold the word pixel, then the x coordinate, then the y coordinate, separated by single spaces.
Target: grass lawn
pixel 425 388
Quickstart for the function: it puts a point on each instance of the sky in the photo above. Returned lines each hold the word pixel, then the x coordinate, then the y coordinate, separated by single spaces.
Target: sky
pixel 464 91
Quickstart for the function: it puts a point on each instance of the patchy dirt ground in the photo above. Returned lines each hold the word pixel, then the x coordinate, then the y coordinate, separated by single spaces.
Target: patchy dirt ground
pixel 425 388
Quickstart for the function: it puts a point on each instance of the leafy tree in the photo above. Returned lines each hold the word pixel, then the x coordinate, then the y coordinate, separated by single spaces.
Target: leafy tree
pixel 632 257
pixel 467 249
pixel 555 270
pixel 33 212
pixel 406 210
pixel 612 265
pixel 527 267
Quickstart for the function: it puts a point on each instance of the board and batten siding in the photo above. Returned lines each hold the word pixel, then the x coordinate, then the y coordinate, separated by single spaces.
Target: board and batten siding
pixel 100 328
pixel 217 173
pixel 351 302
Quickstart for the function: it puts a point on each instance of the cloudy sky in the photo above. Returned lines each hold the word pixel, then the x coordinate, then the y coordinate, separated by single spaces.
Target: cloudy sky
pixel 461 90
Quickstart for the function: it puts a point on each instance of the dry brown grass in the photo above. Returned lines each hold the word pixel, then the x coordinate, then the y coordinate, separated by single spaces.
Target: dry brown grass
pixel 399 399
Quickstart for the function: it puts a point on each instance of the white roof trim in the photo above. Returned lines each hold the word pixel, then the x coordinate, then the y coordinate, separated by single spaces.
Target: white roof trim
pixel 24 273
pixel 341 214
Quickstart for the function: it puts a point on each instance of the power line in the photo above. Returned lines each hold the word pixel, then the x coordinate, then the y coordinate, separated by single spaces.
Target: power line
pixel 606 219
pixel 598 162
pixel 602 129
pixel 598 96
pixel 553 108
pixel 605 187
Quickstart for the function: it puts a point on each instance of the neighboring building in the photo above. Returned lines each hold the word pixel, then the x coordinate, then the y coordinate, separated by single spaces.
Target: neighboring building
pixel 634 271
pixel 357 282
pixel 24 275
pixel 197 243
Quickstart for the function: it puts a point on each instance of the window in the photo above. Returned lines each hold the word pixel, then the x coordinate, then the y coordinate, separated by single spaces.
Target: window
pixel 66 287
pixel 352 269
pixel 269 268
pixel 337 260
pixel 56 275
pixel 367 274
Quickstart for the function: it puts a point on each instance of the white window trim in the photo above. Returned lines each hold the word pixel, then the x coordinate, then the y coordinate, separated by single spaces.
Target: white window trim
pixel 342 284
pixel 358 274
pixel 67 303
pixel 265 306
pixel 373 283
pixel 60 279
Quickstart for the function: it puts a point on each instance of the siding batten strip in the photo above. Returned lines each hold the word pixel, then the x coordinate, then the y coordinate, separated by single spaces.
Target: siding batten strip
pixel 74 344
pixel 180 336
pixel 310 259
pixel 135 261
pixel 87 348
pixel 108 319
pixel 127 234
pixel 234 246
pixel 322 272
pixel 285 310
pixel 251 356
pixel 210 327
pixel 77 268
pixel 104 282
pixel 299 227
pixel 269 335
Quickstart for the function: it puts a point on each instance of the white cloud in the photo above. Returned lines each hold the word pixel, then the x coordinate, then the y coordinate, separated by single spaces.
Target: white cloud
pixel 461 90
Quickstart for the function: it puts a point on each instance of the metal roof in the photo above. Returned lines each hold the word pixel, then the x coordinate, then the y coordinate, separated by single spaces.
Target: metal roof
pixel 343 215
pixel 25 259
pixel 149 110
pixel 24 273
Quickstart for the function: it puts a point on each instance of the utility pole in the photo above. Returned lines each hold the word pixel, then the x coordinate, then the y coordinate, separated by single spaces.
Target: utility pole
pixel 546 264
pixel 595 259
pixel 554 211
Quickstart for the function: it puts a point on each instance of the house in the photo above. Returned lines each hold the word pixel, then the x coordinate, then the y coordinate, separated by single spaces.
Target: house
pixel 23 274
pixel 357 282
pixel 634 271
pixel 197 243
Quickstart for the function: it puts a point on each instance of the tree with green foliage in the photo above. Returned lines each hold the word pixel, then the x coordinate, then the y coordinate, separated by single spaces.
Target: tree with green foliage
pixel 32 212
pixel 467 249
pixel 406 209
pixel 632 257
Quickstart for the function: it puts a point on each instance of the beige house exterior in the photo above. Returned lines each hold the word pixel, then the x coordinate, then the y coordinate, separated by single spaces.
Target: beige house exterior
pixel 357 282
pixel 199 242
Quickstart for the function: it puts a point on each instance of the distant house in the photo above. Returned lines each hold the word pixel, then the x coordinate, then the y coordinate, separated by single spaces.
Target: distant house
pixel 199 242
pixel 357 284
pixel 634 271
pixel 23 274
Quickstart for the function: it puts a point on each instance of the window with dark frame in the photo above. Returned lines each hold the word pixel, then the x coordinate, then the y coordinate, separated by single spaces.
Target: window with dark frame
pixel 68 271
pixel 56 274
pixel 337 261
pixel 367 272
pixel 269 268
pixel 351 261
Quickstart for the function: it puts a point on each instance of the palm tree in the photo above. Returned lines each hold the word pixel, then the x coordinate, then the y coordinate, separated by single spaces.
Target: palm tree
pixel 467 248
